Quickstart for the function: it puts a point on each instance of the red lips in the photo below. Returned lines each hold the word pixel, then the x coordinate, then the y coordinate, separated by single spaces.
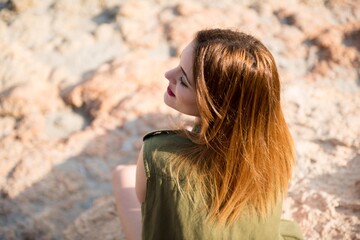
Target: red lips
pixel 170 92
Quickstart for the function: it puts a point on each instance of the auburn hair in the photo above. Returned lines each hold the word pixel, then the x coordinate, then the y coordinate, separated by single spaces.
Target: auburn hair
pixel 244 153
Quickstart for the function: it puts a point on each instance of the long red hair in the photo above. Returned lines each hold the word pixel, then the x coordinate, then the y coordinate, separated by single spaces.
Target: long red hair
pixel 244 152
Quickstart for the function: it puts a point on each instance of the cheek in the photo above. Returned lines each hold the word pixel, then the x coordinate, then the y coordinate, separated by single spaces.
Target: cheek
pixel 187 97
pixel 186 102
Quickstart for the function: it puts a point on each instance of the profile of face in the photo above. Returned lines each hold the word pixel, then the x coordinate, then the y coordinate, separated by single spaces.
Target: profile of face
pixel 180 94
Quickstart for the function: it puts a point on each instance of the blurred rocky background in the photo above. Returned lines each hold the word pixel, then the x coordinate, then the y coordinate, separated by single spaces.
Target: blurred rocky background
pixel 81 81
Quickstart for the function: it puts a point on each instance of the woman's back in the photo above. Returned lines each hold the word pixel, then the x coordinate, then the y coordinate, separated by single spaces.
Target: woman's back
pixel 169 214
pixel 226 180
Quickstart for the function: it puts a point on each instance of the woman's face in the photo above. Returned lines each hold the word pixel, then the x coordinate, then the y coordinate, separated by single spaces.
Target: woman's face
pixel 180 94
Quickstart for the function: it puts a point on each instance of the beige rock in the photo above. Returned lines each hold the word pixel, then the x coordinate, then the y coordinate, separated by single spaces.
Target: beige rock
pixel 99 221
pixel 331 48
pixel 18 65
pixel 7 124
pixel 22 5
pixel 6 15
pixel 61 77
pixel 33 97
pixel 303 17
pixel 32 31
pixel 62 123
pixel 77 6
pixel 138 9
pixel 188 8
pixel 104 32
pixel 106 145
pixel 107 91
pixel 10 155
pixel 31 167
pixel 139 34
pixel 101 93
pixel 181 30
pixel 138 24
pixel 55 169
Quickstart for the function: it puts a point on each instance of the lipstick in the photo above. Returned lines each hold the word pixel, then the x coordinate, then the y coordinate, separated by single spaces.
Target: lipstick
pixel 170 92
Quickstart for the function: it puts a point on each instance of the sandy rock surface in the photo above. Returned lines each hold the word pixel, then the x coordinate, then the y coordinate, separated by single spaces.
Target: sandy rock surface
pixel 82 81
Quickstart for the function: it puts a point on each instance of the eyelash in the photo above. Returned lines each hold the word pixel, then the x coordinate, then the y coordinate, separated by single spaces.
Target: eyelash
pixel 182 82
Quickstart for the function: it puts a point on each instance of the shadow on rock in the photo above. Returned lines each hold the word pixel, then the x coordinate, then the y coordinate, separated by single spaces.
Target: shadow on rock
pixel 74 199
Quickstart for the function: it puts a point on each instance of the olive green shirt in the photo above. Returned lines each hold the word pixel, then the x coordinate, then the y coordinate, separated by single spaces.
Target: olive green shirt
pixel 167 214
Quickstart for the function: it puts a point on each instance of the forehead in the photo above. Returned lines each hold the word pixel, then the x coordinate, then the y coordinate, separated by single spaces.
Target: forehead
pixel 186 59
pixel 188 50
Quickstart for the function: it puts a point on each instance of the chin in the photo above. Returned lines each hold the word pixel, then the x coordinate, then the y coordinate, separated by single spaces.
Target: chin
pixel 166 99
pixel 168 102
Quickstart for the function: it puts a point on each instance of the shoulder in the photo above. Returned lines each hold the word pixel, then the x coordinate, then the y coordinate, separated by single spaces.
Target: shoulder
pixel 159 148
pixel 159 133
pixel 167 138
pixel 165 142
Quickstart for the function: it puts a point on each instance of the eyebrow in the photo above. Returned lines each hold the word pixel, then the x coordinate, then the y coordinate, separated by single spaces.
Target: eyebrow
pixel 187 79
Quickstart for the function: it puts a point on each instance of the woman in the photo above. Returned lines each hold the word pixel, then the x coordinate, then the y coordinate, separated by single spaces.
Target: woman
pixel 227 177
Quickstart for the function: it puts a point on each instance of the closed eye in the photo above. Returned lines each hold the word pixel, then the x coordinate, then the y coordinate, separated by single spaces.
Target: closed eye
pixel 182 82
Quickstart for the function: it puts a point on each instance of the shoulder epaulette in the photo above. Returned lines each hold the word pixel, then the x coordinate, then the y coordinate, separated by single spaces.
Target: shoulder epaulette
pixel 156 133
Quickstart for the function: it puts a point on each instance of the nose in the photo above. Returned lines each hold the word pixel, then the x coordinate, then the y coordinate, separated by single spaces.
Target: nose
pixel 169 75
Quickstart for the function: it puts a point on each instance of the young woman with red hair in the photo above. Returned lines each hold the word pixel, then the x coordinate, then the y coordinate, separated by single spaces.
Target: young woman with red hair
pixel 226 178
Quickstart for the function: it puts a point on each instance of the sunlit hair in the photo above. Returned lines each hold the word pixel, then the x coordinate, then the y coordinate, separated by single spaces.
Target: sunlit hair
pixel 244 152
